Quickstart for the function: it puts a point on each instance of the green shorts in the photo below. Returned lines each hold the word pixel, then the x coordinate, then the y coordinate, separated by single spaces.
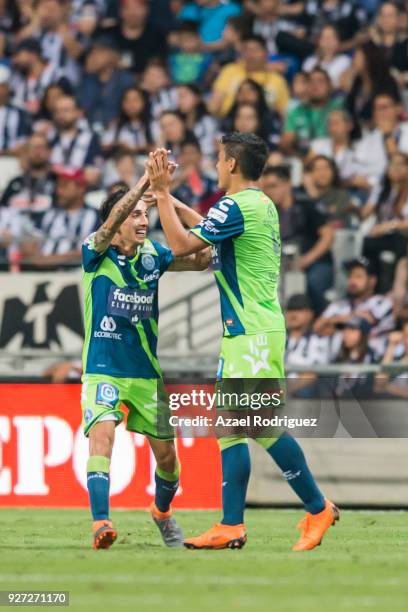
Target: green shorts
pixel 260 357
pixel 145 398
pixel 257 356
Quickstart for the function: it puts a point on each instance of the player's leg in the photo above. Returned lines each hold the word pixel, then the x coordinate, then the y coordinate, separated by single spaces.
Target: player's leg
pixel 289 457
pixel 149 414
pixel 167 482
pixel 101 438
pixel 101 413
pixel 236 467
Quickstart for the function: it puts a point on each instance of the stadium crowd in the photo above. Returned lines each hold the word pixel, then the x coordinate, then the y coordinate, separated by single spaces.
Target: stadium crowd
pixel 89 87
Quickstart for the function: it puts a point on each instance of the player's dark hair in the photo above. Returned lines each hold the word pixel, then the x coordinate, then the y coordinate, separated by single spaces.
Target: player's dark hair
pixel 249 151
pixel 110 201
pixel 281 172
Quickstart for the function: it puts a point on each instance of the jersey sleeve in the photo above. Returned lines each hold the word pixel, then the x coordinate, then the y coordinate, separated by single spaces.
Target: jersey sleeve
pixel 91 259
pixel 166 257
pixel 224 220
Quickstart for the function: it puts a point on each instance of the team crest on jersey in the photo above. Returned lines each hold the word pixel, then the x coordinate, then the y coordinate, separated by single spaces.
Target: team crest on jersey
pixel 148 262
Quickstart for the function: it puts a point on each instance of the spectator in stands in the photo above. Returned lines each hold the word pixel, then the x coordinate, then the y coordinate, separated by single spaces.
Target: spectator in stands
pixel 61 45
pixel 235 31
pixel 338 145
pixel 253 64
pixel 122 166
pixel 300 90
pixel 192 184
pixel 322 183
pixel 388 36
pixel 395 385
pixel 308 121
pixel 173 131
pixel 43 122
pixel 389 203
pixel 14 123
pixel 360 300
pixel 74 143
pixel 348 16
pixel 372 151
pixel 32 76
pixel 211 17
pixel 355 349
pixel 33 191
pixel 204 127
pixel 65 226
pixel 328 56
pixel 137 40
pixel 246 118
pixel 131 130
pixel 303 347
pixel 17 232
pixel 162 95
pixel 305 226
pixel 85 15
pixel 370 75
pixel 269 122
pixel 400 290
pixel 269 23
pixel 103 83
pixel 355 346
pixel 188 63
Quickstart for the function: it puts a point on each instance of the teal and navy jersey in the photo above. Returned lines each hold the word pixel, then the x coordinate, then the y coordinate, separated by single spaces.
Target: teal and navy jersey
pixel 121 309
pixel 244 231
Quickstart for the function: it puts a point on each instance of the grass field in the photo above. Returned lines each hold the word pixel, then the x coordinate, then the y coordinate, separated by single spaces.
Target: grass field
pixel 362 564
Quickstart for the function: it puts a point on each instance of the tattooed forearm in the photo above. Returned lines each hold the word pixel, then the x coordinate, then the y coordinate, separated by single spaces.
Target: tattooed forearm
pixel 118 214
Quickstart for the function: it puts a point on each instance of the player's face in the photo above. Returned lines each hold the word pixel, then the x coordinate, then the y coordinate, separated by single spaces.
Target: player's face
pixel 134 229
pixel 358 282
pixel 298 319
pixel 225 168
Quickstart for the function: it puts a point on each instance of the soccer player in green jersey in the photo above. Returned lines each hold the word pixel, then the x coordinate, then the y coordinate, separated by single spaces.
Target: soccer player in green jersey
pixel 121 274
pixel 244 229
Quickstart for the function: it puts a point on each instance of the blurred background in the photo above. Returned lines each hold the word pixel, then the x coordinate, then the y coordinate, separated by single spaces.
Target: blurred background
pixel 89 87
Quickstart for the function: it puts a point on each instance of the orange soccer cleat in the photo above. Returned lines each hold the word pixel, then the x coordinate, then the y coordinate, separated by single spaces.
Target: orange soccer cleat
pixel 218 537
pixel 314 526
pixel 104 534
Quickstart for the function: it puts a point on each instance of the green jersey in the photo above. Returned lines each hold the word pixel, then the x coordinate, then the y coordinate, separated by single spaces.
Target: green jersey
pixel 244 231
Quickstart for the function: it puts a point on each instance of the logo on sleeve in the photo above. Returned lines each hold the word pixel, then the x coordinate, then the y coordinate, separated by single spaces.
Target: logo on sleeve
pixel 218 215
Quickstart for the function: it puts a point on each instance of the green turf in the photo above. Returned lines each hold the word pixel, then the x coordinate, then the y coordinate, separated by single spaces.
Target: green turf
pixel 362 564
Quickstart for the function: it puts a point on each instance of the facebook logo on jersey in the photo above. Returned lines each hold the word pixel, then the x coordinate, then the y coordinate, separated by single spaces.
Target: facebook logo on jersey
pixel 129 302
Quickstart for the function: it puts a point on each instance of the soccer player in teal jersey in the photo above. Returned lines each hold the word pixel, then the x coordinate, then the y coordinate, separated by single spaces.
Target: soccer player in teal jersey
pixel 244 229
pixel 121 274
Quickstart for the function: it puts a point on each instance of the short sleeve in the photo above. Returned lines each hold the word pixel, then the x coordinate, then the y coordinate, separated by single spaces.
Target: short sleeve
pixel 91 259
pixel 224 220
pixel 166 257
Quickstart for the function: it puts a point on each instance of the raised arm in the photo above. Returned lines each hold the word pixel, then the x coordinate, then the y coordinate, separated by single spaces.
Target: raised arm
pixel 179 240
pixel 118 214
pixel 187 215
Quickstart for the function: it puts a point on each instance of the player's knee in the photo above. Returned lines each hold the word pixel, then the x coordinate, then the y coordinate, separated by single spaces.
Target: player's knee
pixel 101 440
pixel 167 459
